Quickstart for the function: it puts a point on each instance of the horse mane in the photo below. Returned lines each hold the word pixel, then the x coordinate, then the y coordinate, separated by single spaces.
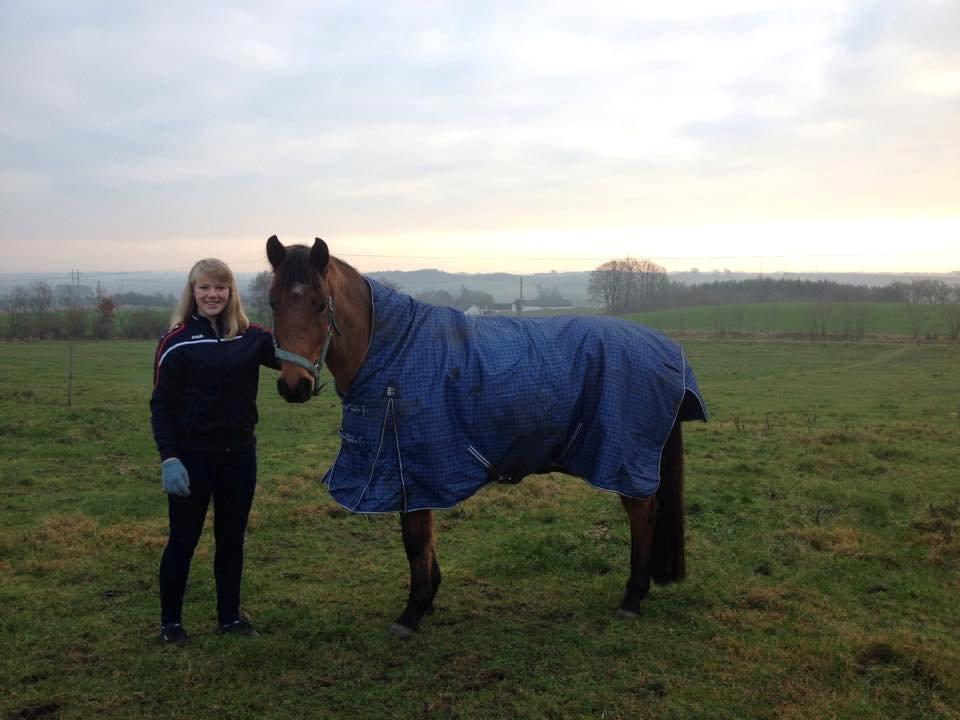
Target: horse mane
pixel 346 268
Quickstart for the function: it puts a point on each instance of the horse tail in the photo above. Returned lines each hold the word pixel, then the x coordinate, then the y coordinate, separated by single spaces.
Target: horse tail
pixel 668 555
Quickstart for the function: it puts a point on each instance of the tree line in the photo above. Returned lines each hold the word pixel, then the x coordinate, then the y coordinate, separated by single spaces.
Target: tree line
pixel 630 285
pixel 76 312
pixel 465 298
pixel 619 286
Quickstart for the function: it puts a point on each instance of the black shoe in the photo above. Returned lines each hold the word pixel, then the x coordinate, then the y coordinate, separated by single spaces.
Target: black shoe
pixel 238 627
pixel 173 634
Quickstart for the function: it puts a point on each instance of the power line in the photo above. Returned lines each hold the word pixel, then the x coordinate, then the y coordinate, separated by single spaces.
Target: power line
pixel 785 256
pixel 262 262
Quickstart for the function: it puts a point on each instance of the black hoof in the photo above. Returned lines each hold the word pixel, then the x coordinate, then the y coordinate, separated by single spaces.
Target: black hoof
pixel 624 614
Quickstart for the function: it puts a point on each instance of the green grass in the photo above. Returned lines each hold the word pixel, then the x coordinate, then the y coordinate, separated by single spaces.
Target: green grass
pixel 834 319
pixel 823 553
pixel 831 319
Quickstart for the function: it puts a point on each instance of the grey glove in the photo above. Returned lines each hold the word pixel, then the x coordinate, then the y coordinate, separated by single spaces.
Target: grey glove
pixel 174 477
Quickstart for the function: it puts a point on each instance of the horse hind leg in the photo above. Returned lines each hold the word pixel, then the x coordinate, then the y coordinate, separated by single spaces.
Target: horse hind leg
pixel 642 514
pixel 668 561
pixel 418 541
pixel 657 550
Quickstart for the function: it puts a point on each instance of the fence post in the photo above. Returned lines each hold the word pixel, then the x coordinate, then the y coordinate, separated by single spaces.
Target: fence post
pixel 70 376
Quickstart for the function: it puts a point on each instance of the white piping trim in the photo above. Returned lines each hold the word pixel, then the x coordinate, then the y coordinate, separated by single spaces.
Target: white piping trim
pixel 373 465
pixel 481 459
pixel 181 344
pixel 573 439
pixel 194 342
pixel 396 436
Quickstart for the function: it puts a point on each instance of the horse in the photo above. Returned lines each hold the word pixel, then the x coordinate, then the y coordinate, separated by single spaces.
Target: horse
pixel 437 405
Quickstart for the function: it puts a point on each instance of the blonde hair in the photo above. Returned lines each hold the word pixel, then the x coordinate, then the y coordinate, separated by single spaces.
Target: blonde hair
pixel 233 318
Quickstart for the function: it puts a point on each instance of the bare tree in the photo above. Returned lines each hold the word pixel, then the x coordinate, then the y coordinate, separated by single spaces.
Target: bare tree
pixel 258 292
pixel 650 279
pixel 17 307
pixel 627 284
pixel 948 296
pixel 106 311
pixel 468 298
pixel 607 283
pixel 41 298
pixel 853 319
pixel 41 301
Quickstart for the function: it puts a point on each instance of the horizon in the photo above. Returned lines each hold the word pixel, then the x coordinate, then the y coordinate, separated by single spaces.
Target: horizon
pixel 763 137
pixel 91 277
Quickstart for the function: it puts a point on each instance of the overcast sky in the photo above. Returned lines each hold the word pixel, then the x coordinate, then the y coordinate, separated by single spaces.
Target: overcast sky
pixel 517 136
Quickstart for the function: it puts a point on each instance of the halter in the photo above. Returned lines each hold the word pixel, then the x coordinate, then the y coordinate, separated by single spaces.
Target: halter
pixel 300 361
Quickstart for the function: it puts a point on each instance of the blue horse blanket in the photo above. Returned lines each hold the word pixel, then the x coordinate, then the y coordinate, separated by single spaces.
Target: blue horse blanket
pixel 445 403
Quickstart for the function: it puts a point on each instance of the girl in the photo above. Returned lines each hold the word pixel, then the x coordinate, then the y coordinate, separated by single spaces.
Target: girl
pixel 203 413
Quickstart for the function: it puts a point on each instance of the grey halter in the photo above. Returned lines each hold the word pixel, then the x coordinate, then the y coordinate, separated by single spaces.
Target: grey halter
pixel 300 361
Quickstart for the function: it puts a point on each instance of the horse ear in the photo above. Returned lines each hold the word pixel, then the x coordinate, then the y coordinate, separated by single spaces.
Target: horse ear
pixel 276 252
pixel 319 255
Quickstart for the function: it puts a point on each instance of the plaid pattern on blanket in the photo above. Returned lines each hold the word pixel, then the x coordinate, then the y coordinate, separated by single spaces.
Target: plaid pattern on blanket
pixel 445 403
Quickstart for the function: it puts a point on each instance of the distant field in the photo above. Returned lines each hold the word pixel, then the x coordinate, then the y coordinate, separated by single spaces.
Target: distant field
pixel 823 540
pixel 847 320
pixel 831 319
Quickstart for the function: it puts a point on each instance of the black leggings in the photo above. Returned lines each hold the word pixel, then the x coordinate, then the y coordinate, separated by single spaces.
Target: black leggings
pixel 230 478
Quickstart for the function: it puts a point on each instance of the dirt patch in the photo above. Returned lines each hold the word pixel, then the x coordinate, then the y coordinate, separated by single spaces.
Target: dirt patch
pixel 839 541
pixel 883 661
pixel 938 529
pixel 31 712
pixel 152 534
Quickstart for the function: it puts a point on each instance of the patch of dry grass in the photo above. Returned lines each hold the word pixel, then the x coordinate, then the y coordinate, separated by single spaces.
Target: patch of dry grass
pixel 938 532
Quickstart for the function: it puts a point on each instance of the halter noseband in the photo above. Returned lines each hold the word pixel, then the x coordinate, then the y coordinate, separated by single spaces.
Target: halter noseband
pixel 300 361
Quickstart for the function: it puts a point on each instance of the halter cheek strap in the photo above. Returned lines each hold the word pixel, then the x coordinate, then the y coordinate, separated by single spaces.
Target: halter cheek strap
pixel 300 361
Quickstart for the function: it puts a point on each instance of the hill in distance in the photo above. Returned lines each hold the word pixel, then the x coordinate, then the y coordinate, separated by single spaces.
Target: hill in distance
pixel 504 287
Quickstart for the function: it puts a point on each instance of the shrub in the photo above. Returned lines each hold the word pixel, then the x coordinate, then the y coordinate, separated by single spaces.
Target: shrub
pixel 144 324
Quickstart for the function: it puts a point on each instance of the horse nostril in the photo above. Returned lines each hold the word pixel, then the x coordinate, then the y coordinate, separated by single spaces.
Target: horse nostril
pixel 300 393
pixel 304 390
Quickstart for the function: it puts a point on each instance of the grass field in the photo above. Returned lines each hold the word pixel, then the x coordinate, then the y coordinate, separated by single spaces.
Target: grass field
pixel 847 320
pixel 837 319
pixel 823 555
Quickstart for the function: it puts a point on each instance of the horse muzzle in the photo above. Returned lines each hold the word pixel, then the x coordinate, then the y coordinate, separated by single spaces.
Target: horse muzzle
pixel 300 393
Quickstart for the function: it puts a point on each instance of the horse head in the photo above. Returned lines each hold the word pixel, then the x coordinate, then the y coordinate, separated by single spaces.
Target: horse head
pixel 302 315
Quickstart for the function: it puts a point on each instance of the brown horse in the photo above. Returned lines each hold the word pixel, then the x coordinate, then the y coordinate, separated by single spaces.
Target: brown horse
pixel 324 314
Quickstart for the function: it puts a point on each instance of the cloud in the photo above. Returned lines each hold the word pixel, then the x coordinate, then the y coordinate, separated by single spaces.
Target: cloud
pixel 177 120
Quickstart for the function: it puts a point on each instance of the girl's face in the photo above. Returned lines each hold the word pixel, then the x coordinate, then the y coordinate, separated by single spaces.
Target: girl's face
pixel 211 296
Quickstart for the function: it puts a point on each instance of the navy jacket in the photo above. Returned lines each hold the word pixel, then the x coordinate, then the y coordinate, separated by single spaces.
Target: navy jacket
pixel 205 387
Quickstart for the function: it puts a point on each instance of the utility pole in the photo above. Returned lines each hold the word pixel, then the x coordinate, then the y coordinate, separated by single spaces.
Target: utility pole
pixel 75 282
pixel 520 303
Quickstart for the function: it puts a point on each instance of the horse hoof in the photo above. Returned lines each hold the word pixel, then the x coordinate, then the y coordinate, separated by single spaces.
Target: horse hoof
pixel 623 614
pixel 401 632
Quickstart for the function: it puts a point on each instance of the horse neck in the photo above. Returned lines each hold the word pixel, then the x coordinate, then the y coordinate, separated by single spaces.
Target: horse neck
pixel 353 315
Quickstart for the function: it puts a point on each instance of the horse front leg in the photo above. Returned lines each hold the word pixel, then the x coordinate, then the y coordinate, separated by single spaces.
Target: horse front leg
pixel 642 514
pixel 418 542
